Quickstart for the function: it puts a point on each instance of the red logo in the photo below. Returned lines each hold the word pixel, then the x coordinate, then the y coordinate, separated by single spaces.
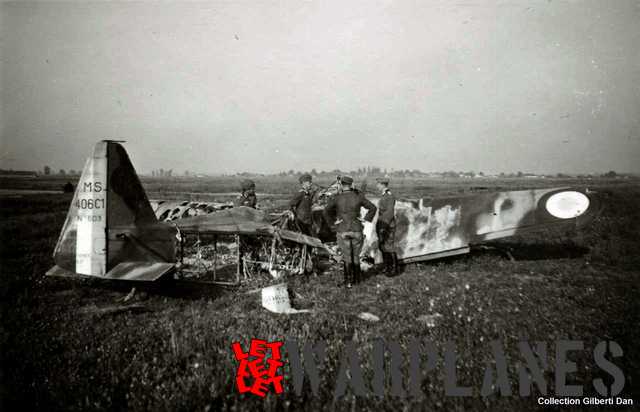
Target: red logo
pixel 257 372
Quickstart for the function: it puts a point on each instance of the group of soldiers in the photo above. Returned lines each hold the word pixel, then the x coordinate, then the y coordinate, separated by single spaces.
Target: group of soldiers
pixel 343 212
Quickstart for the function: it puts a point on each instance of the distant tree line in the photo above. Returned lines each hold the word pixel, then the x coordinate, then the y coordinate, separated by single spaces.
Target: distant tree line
pixel 368 171
pixel 359 173
pixel 162 173
pixel 373 172
pixel 46 171
pixel 71 172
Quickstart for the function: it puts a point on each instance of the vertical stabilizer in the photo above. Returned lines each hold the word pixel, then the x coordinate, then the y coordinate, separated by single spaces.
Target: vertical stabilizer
pixel 111 230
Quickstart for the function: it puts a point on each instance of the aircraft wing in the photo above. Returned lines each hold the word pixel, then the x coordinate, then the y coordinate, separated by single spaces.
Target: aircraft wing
pixel 429 229
pixel 241 221
pixel 238 220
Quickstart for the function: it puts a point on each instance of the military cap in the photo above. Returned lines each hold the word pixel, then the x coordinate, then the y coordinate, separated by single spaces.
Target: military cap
pixel 347 180
pixel 383 180
pixel 305 178
pixel 247 184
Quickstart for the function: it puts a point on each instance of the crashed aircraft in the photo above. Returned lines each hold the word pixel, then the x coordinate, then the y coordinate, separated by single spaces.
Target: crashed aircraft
pixel 113 231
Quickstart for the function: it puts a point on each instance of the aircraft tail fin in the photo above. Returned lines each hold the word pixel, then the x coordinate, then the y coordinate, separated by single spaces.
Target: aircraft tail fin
pixel 110 221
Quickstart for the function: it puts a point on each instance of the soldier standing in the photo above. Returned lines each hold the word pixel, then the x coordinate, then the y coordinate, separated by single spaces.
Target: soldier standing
pixel 346 206
pixel 301 205
pixel 386 227
pixel 248 195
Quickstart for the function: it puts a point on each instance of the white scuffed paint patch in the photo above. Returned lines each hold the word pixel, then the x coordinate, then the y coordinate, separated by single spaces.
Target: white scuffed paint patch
pixel 567 205
pixel 370 238
pixel 508 210
pixel 429 230
pixel 369 229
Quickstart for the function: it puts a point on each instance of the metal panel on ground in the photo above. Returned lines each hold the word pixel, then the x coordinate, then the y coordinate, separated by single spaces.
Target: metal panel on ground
pixel 139 271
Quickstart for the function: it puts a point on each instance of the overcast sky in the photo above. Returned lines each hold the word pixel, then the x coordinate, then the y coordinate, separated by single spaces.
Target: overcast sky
pixel 221 87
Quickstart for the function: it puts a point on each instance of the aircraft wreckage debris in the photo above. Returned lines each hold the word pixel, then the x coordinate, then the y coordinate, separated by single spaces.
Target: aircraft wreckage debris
pixel 275 298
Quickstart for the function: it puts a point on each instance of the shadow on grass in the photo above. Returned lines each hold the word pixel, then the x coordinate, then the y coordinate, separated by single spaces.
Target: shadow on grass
pixel 192 290
pixel 165 287
pixel 536 251
pixel 516 251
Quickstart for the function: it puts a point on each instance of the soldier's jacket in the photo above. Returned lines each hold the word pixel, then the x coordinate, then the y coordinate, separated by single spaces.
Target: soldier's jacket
pixel 301 205
pixel 246 200
pixel 345 207
pixel 386 206
pixel 385 226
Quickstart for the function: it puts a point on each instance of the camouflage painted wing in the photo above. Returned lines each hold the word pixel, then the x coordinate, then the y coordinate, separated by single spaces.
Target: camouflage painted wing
pixel 446 227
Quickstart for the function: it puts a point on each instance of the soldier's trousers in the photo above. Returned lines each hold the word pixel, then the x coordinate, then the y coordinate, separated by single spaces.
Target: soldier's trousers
pixel 350 244
pixel 386 236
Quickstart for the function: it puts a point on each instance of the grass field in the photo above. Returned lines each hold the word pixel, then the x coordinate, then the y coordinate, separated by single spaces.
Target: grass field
pixel 60 352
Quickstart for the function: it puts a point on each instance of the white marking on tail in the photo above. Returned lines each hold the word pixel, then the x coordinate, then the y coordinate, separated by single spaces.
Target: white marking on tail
pixel 91 216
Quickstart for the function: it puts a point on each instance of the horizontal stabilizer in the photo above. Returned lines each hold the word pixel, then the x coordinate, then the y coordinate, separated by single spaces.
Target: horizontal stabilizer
pixel 136 271
pixel 59 272
pixel 139 271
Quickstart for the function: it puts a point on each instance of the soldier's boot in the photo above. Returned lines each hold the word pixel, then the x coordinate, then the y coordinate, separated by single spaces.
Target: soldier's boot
pixel 382 268
pixel 357 273
pixel 345 274
pixel 348 276
pixel 394 264
pixel 388 263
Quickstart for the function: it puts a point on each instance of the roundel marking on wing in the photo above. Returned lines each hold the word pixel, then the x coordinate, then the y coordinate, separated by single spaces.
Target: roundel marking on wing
pixel 568 204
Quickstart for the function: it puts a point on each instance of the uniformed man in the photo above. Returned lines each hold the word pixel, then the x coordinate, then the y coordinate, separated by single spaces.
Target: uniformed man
pixel 386 227
pixel 301 204
pixel 248 195
pixel 346 206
